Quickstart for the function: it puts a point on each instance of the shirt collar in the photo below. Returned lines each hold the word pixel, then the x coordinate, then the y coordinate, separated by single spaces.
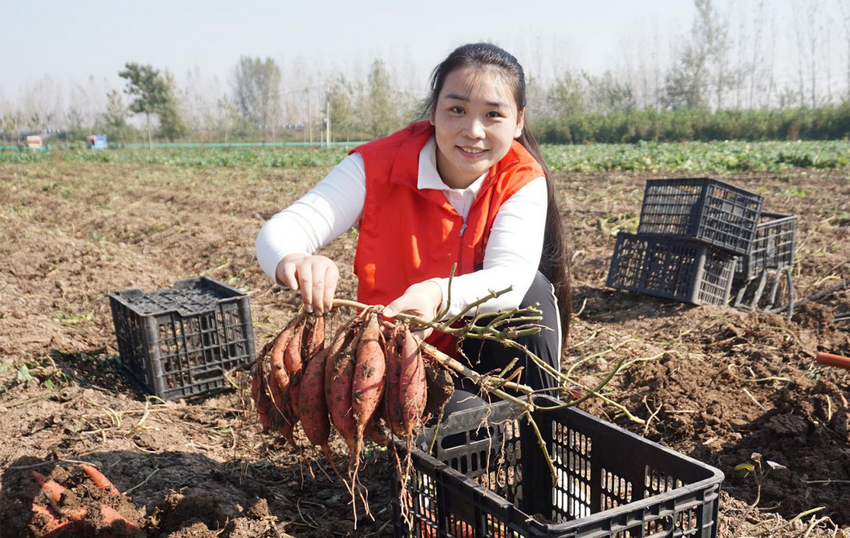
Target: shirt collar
pixel 429 177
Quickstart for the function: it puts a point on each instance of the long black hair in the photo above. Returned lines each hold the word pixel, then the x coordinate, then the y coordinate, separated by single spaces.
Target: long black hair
pixel 554 262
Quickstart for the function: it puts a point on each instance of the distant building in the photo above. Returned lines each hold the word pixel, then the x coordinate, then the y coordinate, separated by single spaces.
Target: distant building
pixel 35 143
pixel 96 142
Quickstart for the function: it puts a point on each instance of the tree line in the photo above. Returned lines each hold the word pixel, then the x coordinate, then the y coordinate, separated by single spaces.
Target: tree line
pixel 720 83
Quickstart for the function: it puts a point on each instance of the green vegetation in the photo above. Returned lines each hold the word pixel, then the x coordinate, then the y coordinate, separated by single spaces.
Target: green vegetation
pixel 713 157
pixel 191 157
pixel 830 122
pixel 709 157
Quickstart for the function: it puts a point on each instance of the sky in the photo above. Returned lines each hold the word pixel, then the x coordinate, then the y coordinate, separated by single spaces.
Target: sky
pixel 72 41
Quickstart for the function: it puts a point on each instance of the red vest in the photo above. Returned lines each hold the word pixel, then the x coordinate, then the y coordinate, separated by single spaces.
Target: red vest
pixel 409 235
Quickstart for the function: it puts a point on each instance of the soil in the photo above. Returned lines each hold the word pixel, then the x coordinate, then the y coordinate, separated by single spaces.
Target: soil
pixel 724 386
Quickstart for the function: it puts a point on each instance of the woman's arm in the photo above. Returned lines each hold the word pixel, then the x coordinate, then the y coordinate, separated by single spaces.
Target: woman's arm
pixel 288 241
pixel 511 257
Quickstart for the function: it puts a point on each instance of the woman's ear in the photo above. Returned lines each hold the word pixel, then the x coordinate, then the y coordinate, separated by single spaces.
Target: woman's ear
pixel 520 123
pixel 431 116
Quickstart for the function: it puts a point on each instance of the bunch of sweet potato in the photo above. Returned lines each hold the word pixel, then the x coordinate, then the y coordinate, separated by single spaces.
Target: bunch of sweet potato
pixel 373 373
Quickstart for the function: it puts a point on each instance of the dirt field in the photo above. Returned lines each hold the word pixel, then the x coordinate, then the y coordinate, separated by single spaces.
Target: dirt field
pixel 714 383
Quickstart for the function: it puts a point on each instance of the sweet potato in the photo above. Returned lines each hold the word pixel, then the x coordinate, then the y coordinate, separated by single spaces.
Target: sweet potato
pixel 259 392
pixel 293 362
pixel 311 400
pixel 392 404
pixel 314 338
pixel 368 383
pixel 412 387
pixel 339 373
pixel 286 426
pixel 375 431
pixel 338 395
pixel 440 386
pixel 278 377
pixel 99 479
pixel 312 342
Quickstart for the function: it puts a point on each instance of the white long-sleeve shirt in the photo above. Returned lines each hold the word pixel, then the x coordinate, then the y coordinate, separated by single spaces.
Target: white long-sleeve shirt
pixel 335 204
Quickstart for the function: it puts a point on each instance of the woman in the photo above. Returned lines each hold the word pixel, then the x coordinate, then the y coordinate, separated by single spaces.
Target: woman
pixel 468 186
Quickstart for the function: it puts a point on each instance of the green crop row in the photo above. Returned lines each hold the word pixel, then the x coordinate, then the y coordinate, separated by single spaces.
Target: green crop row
pixel 714 157
pixel 189 157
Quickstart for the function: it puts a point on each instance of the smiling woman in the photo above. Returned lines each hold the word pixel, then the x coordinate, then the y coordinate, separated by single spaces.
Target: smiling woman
pixel 466 188
pixel 475 122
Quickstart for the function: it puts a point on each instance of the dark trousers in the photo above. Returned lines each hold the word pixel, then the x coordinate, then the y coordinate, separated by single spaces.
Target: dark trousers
pixel 487 356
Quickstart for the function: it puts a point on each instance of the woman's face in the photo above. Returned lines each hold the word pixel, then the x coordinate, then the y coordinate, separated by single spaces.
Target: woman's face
pixel 475 121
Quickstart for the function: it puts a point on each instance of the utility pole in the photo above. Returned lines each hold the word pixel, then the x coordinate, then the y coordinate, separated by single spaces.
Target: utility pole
pixel 310 114
pixel 328 116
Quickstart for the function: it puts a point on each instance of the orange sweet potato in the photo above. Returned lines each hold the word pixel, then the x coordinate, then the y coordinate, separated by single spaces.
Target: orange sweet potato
pixel 392 404
pixel 294 363
pixel 368 383
pixel 440 386
pixel 339 373
pixel 279 377
pixel 311 400
pixel 412 387
pixel 376 432
pixel 259 392
pixel 314 338
pixel 338 395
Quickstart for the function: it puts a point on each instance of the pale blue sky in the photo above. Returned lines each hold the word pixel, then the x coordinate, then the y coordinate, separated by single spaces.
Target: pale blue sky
pixel 71 41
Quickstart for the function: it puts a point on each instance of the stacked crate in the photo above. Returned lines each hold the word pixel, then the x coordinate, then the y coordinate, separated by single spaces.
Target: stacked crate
pixel 772 249
pixel 691 234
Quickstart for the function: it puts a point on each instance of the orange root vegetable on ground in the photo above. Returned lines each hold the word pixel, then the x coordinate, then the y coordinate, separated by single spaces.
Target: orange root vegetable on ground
pixel 82 510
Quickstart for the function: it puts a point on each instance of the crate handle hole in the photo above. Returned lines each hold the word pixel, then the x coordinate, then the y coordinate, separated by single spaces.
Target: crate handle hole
pixel 211 374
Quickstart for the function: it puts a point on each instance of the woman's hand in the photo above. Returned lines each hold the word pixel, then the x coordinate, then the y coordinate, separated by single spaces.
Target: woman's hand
pixel 422 300
pixel 315 276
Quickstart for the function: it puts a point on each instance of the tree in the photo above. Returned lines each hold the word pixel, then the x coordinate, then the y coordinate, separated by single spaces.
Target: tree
pixel 74 118
pixel 380 100
pixel 256 87
pixel 42 105
pixel 226 116
pixel 845 21
pixel 567 101
pixel 566 96
pixel 150 90
pixel 703 59
pixel 171 124
pixel 607 94
pixel 341 107
pixel 115 116
pixel 10 123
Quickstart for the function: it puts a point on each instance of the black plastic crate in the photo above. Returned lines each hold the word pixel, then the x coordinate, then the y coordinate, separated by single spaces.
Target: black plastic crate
pixel 671 268
pixel 773 247
pixel 488 477
pixel 180 341
pixel 702 209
